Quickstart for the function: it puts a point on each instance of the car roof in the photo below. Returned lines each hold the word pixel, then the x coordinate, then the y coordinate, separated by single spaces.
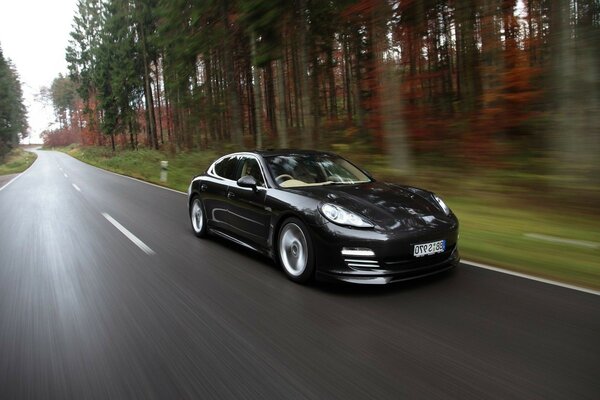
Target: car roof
pixel 290 152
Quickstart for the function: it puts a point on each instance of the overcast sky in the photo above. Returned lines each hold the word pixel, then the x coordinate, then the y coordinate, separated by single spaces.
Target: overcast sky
pixel 34 35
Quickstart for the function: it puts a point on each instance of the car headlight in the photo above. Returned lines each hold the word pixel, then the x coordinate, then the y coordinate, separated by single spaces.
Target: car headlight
pixel 442 204
pixel 341 216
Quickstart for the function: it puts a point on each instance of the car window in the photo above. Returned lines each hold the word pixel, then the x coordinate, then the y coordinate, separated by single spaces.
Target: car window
pixel 251 167
pixel 313 169
pixel 226 168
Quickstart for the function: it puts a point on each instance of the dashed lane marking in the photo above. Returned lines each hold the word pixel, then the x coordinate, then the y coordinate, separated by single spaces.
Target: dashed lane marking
pixel 129 235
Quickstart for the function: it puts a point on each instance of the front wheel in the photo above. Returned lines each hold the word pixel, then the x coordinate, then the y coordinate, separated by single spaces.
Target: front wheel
pixel 295 252
pixel 197 217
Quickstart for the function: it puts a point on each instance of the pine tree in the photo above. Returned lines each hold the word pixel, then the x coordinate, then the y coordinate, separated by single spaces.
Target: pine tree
pixel 13 113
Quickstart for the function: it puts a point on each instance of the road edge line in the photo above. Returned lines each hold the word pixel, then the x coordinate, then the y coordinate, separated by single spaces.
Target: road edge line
pixel 124 176
pixel 139 180
pixel 20 173
pixel 11 181
pixel 472 263
pixel 531 277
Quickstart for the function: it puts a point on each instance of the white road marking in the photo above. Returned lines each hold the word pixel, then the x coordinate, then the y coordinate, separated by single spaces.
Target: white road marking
pixel 474 264
pixel 533 278
pixel 554 239
pixel 18 176
pixel 65 174
pixel 129 235
pixel 135 179
pixel 11 181
pixel 76 187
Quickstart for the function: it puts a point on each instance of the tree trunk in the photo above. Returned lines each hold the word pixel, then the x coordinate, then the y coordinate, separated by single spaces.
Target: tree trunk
pixel 331 83
pixel 270 98
pixel 282 131
pixel 469 83
pixel 347 78
pixel 231 86
pixel 307 108
pixel 151 119
pixel 574 82
pixel 158 102
pixel 395 131
pixel 257 92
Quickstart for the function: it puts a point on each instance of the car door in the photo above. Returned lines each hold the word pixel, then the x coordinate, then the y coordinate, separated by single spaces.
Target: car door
pixel 214 190
pixel 249 217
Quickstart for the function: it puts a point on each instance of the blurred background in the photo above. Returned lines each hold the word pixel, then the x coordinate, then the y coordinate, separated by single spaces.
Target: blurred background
pixel 475 84
pixel 495 104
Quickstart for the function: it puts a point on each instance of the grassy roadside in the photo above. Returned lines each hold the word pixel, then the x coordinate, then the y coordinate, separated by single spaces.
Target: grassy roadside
pixel 509 237
pixel 18 160
pixel 144 164
pixel 494 229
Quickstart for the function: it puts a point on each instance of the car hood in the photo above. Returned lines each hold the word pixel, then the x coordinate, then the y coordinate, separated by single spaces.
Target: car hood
pixel 387 205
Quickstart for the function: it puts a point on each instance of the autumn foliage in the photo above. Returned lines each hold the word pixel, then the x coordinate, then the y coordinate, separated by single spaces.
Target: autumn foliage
pixel 464 78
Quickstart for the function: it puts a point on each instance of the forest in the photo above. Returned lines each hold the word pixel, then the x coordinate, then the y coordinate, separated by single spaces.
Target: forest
pixel 13 114
pixel 471 82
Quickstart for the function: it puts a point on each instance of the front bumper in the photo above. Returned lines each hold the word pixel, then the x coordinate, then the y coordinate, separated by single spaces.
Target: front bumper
pixel 393 259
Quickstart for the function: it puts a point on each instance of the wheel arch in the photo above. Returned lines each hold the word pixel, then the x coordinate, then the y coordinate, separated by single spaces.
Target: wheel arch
pixel 191 197
pixel 194 191
pixel 274 234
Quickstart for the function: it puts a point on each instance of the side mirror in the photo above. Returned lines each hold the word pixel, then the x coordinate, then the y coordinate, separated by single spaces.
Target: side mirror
pixel 247 181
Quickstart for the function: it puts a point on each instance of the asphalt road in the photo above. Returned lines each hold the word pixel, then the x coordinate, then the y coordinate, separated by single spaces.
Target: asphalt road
pixel 87 313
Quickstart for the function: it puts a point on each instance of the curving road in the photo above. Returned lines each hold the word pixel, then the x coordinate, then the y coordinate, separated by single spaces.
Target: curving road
pixel 106 293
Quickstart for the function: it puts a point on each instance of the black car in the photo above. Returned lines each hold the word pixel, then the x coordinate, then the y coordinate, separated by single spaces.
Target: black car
pixel 321 216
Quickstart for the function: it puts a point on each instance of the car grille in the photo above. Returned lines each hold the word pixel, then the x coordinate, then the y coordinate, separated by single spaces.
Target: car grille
pixel 397 264
pixel 421 262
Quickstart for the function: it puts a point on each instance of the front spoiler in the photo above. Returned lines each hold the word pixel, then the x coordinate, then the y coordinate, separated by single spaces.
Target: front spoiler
pixel 394 277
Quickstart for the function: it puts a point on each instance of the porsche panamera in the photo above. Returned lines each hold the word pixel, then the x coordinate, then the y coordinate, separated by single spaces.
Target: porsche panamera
pixel 321 217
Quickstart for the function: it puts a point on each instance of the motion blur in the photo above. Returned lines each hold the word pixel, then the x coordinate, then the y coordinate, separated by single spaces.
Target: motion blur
pixel 493 101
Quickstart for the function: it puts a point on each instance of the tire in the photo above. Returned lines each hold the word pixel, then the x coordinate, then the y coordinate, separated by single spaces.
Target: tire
pixel 198 217
pixel 295 251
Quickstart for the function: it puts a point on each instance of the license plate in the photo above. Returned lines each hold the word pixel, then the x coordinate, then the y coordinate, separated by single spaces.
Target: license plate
pixel 427 249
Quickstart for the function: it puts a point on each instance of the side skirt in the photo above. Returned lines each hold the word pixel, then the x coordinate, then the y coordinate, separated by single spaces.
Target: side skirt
pixel 239 242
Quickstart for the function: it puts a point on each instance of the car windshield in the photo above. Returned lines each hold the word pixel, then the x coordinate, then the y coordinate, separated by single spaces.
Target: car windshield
pixel 313 170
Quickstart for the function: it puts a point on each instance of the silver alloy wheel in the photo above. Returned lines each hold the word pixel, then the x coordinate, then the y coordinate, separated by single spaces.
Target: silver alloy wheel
pixel 197 216
pixel 293 249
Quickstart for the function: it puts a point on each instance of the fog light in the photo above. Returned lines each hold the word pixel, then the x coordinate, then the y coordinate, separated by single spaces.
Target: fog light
pixel 357 252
